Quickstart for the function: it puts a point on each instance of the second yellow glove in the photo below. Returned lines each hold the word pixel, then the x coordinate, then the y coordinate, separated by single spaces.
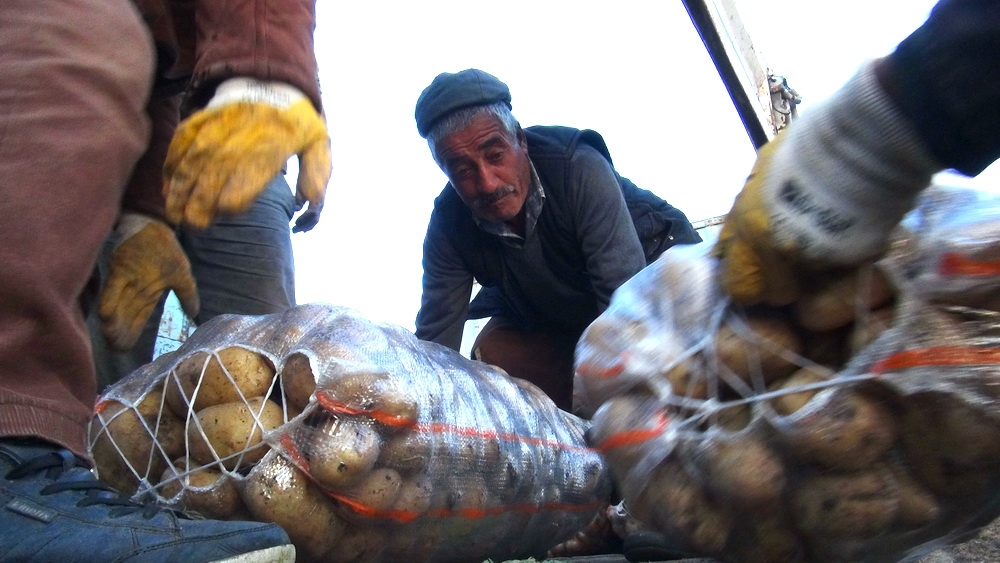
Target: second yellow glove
pixel 147 261
pixel 223 156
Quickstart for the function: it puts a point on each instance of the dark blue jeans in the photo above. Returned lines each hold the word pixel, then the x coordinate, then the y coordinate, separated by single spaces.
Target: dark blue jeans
pixel 242 264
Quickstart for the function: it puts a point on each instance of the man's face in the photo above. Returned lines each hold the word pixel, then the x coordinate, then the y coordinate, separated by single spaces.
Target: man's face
pixel 490 171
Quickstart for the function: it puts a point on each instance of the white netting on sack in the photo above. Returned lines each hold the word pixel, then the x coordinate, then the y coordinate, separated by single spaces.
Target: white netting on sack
pixel 364 443
pixel 860 423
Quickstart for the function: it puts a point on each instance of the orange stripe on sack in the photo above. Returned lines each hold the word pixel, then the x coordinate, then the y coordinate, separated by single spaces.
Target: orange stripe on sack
pixel 938 356
pixel 335 406
pixel 289 445
pixel 607 373
pixel 636 436
pixel 404 516
pixel 443 428
pixel 954 264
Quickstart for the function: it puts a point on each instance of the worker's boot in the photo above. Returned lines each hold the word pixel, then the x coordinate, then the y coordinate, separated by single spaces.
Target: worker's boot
pixel 641 542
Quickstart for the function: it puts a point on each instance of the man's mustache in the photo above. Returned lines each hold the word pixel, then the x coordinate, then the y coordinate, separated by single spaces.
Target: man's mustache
pixel 491 198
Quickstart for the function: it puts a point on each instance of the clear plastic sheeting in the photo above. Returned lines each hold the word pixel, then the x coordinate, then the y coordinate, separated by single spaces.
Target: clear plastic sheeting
pixel 860 423
pixel 362 442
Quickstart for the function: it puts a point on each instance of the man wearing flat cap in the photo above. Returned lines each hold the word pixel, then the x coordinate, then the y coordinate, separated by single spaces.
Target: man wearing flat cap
pixel 540 218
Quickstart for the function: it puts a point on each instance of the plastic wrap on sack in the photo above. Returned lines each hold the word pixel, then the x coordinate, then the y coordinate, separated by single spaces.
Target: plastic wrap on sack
pixel 364 443
pixel 956 258
pixel 860 423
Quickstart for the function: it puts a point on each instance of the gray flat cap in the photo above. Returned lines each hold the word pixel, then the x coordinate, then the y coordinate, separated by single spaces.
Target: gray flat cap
pixel 453 91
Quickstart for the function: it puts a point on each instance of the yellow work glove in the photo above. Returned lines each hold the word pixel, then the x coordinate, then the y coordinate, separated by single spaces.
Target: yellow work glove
pixel 824 195
pixel 146 262
pixel 223 156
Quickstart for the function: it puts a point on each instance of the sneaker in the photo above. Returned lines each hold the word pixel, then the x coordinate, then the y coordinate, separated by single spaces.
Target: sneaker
pixel 52 508
pixel 647 545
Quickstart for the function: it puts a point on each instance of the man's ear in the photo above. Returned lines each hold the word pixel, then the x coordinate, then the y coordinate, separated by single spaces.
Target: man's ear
pixel 522 139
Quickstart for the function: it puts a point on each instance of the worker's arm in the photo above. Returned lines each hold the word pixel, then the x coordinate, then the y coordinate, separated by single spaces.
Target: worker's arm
pixel 447 287
pixel 827 192
pixel 146 259
pixel 255 86
pixel 608 240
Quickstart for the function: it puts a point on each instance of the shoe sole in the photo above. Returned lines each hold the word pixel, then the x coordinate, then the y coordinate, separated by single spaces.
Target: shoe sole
pixel 278 554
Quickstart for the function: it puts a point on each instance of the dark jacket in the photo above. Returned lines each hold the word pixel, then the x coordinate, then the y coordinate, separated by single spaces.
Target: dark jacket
pixel 946 78
pixel 596 230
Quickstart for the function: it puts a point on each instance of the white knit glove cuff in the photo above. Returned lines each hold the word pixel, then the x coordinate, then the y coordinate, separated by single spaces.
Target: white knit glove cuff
pixel 849 170
pixel 128 225
pixel 277 94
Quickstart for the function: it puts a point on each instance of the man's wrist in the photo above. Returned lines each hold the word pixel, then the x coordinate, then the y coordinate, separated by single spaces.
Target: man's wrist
pixel 130 223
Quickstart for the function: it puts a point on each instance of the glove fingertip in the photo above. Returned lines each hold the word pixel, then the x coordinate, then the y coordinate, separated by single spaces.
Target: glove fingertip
pixel 189 299
pixel 741 274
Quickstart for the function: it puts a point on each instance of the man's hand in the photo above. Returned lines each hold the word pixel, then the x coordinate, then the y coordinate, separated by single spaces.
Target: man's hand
pixel 823 195
pixel 223 156
pixel 146 262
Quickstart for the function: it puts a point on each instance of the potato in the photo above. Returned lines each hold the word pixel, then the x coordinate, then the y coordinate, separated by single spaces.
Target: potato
pixel 465 500
pixel 835 304
pixel 371 497
pixel 277 491
pixel 687 380
pixel 206 491
pixel 406 452
pixel 758 353
pixel 789 402
pixel 743 470
pixel 767 540
pixel 341 451
pixel 202 378
pixel 298 381
pixel 673 502
pixel 952 447
pixel 414 496
pixel 513 478
pixel 867 329
pixel 359 544
pixel 917 506
pixel 418 541
pixel 116 424
pixel 378 395
pixel 583 479
pixel 850 505
pixel 230 429
pixel 733 417
pixel 831 348
pixel 623 427
pixel 846 430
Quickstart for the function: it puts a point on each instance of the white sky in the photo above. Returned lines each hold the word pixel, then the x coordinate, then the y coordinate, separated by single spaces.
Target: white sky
pixel 634 70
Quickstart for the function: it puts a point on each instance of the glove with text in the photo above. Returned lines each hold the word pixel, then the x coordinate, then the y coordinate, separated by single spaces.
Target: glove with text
pixel 825 194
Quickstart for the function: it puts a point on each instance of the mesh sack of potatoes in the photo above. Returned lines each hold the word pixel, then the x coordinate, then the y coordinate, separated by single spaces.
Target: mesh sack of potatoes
pixel 362 442
pixel 860 423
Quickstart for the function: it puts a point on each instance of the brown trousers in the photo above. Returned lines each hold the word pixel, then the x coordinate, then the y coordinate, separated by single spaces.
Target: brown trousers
pixel 75 76
pixel 543 358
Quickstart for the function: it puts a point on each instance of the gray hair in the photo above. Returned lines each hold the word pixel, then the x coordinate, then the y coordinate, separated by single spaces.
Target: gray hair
pixel 461 119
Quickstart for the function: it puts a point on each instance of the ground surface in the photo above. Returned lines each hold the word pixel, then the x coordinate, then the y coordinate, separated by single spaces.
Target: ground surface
pixel 985 548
